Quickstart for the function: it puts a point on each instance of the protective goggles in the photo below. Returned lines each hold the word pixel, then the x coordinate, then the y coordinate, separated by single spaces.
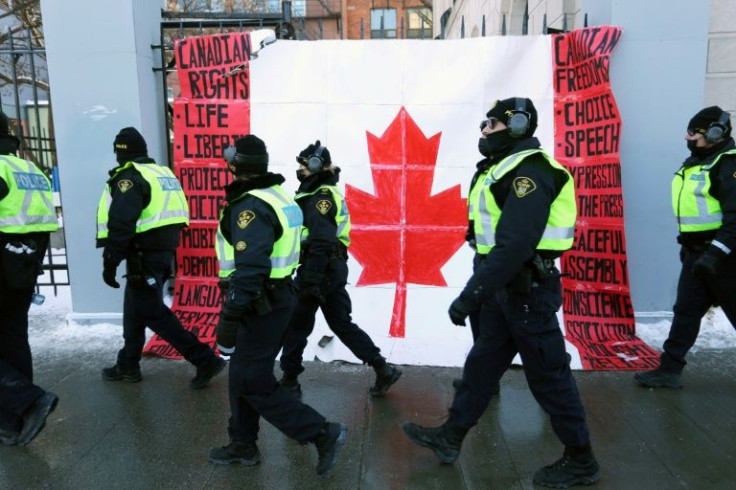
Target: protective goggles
pixel 490 122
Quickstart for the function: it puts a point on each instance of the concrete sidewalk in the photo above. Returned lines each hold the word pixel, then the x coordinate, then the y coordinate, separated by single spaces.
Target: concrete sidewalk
pixel 156 434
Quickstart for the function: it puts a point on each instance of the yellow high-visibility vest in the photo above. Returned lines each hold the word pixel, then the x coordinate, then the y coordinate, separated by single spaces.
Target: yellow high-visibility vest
pixel 29 205
pixel 342 217
pixel 560 230
pixel 168 204
pixel 694 207
pixel 285 253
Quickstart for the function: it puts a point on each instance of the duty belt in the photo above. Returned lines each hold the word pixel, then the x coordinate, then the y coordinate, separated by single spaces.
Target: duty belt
pixel 274 283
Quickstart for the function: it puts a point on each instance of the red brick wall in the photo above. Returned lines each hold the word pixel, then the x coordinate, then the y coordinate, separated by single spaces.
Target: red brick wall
pixel 357 9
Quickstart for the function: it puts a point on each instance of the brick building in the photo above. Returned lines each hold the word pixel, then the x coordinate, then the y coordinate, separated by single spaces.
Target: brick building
pixel 362 19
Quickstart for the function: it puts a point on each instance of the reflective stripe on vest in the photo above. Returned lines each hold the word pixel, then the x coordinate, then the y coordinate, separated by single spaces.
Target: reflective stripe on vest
pixel 692 203
pixel 285 253
pixel 342 217
pixel 473 195
pixel 168 205
pixel 560 230
pixel 29 205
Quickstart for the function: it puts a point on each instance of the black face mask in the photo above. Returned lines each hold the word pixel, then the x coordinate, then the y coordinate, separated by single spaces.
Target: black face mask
pixel 691 145
pixel 300 176
pixel 483 146
pixel 499 143
pixel 703 152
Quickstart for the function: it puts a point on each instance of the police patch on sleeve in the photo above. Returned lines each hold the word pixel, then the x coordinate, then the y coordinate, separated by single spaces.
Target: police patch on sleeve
pixel 734 175
pixel 240 246
pixel 124 185
pixel 244 218
pixel 323 206
pixel 523 186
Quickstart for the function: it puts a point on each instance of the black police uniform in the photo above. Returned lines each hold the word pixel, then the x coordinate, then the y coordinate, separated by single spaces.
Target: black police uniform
pixel 323 257
pixel 18 394
pixel 149 257
pixel 695 295
pixel 254 391
pixel 513 320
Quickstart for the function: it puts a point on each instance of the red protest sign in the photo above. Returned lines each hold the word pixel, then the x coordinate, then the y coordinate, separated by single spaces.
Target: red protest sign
pixel 214 67
pixel 212 112
pixel 598 314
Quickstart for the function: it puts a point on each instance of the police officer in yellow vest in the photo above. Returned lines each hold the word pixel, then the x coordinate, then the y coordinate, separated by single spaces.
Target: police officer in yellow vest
pixel 258 251
pixel 524 215
pixel 141 210
pixel 323 273
pixel 704 202
pixel 27 216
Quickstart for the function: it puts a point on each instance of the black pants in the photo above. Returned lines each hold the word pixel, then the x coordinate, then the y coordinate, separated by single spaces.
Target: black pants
pixel 694 297
pixel 254 391
pixel 526 324
pixel 143 306
pixel 17 391
pixel 336 309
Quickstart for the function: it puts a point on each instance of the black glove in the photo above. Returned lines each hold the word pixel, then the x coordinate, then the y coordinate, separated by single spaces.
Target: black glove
pixel 311 293
pixel 111 259
pixel 459 311
pixel 227 330
pixel 311 287
pixel 707 263
pixel 108 275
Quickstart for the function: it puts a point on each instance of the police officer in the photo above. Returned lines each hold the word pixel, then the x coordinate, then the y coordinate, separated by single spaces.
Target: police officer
pixel 524 217
pixel 27 216
pixel 704 202
pixel 476 185
pixel 323 273
pixel 139 216
pixel 258 250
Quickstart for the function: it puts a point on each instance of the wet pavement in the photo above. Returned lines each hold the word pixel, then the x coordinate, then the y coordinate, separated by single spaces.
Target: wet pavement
pixel 156 434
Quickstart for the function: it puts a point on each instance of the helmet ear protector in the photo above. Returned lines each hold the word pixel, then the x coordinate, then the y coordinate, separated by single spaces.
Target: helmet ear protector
pixel 518 123
pixel 316 162
pixel 718 129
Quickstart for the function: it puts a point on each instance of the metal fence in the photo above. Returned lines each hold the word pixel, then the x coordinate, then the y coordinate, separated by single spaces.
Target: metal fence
pixel 24 97
pixel 504 29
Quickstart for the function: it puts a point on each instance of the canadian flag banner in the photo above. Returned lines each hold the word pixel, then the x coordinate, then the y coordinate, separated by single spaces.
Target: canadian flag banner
pixel 400 118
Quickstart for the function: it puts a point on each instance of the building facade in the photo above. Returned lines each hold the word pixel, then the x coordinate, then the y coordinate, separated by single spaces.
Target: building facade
pixel 364 19
pixel 453 19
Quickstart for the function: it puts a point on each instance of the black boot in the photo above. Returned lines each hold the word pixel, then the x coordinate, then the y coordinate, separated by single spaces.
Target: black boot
pixel 34 418
pixel 444 440
pixel 8 437
pixel 236 452
pixel 291 384
pixel 576 467
pixel 328 444
pixel 386 375
pixel 118 373
pixel 659 378
pixel 207 371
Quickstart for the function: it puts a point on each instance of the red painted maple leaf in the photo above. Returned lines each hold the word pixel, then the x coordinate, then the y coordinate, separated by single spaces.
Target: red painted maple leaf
pixel 403 234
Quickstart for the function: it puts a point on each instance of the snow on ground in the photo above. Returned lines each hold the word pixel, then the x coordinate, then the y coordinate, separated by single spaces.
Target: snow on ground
pixel 716 332
pixel 51 336
pixel 50 333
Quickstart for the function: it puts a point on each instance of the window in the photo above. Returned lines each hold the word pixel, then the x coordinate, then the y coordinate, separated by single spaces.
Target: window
pixel 298 8
pixel 387 30
pixel 419 22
